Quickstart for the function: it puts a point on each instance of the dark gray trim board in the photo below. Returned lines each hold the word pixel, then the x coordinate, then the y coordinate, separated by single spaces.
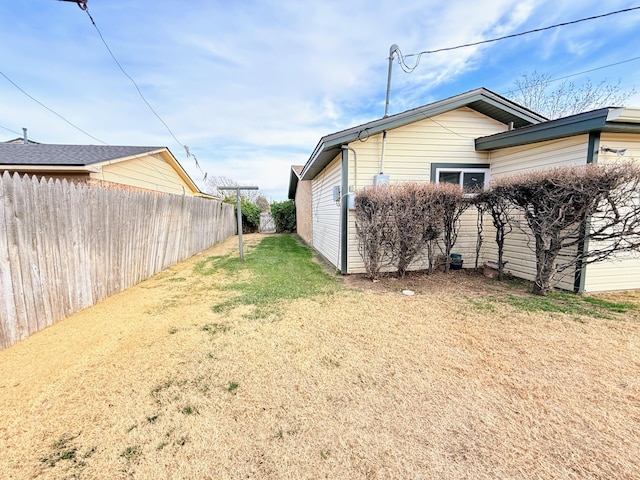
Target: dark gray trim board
pixel 344 212
pixel 593 147
pixel 581 270
pixel 583 123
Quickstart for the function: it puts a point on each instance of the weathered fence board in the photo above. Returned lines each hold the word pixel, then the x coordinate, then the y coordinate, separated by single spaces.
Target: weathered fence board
pixel 64 247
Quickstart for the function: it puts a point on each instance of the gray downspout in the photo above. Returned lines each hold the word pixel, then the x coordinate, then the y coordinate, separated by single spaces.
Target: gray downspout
pixel 344 212
pixel 583 246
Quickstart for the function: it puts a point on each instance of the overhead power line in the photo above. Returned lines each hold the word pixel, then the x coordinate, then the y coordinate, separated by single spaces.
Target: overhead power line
pixel 595 69
pixel 408 69
pixel 50 109
pixel 144 99
pixel 9 130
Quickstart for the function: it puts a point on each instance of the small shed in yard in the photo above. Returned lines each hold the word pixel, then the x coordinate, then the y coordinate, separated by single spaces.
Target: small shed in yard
pixel 469 138
pixel 132 167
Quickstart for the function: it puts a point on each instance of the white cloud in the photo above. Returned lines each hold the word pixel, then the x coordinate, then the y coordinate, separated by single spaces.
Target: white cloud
pixel 252 86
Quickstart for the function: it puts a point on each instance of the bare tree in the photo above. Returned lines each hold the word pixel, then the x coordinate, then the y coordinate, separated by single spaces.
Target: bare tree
pixel 568 207
pixel 535 92
pixel 501 210
pixel 221 181
pixel 262 202
pixel 480 208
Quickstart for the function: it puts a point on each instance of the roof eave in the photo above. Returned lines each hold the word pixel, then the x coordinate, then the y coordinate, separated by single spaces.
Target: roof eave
pixel 293 184
pixel 166 153
pixel 329 145
pixel 551 130
pixel 115 160
pixel 50 168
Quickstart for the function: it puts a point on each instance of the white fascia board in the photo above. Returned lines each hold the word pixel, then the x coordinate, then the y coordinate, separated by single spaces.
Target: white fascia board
pixel 627 115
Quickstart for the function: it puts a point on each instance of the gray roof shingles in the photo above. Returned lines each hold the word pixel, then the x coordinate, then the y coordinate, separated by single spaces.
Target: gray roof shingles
pixel 66 155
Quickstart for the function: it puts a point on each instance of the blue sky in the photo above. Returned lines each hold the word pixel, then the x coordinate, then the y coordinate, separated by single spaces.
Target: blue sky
pixel 251 86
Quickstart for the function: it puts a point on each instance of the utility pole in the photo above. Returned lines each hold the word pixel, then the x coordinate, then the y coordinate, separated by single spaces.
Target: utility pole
pixel 239 210
pixel 394 49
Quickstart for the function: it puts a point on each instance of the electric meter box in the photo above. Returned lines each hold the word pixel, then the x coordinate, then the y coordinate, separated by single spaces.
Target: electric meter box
pixel 351 201
pixel 336 193
pixel 381 179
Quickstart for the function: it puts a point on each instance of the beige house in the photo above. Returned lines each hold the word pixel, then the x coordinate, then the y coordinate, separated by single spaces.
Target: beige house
pixel 469 138
pixel 140 168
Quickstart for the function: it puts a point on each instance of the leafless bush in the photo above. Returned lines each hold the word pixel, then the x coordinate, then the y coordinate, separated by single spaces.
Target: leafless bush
pixel 398 224
pixel 501 210
pixel 417 218
pixel 373 212
pixel 566 207
pixel 453 204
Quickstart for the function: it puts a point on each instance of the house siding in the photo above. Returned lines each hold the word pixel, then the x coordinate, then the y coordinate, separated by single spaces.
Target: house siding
pixel 519 246
pixel 303 211
pixel 409 153
pixel 147 172
pixel 325 213
pixel 622 272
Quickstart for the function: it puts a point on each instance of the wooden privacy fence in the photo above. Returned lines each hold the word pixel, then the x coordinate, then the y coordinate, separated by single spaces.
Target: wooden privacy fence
pixel 65 247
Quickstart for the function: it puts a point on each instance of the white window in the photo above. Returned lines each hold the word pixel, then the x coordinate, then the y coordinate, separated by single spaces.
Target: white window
pixel 468 178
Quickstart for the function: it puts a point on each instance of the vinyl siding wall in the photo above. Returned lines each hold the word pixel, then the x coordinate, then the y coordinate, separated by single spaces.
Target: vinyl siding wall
pixel 148 172
pixel 622 273
pixel 519 246
pixel 410 150
pixel 325 213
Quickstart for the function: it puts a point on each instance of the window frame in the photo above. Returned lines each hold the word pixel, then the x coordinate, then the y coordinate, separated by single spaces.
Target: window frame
pixel 462 168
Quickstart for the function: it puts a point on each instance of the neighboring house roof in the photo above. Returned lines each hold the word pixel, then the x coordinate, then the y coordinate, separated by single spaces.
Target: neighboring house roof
pixel 19 140
pixel 481 100
pixel 612 120
pixel 13 154
pixel 53 158
pixel 296 171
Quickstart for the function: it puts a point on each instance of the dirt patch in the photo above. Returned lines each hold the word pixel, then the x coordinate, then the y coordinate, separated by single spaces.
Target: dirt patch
pixel 365 383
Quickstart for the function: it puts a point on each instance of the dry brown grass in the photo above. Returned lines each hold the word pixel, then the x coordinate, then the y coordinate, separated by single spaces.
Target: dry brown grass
pixel 367 383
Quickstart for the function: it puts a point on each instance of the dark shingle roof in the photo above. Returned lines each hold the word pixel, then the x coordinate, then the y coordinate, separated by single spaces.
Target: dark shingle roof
pixel 66 155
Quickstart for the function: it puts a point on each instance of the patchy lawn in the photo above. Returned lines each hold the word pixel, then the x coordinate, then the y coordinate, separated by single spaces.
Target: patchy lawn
pixel 184 376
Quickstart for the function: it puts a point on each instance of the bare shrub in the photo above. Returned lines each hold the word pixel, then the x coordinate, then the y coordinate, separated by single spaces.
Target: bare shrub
pixel 417 219
pixel 501 210
pixel 566 207
pixel 434 223
pixel 398 224
pixel 453 204
pixel 373 213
